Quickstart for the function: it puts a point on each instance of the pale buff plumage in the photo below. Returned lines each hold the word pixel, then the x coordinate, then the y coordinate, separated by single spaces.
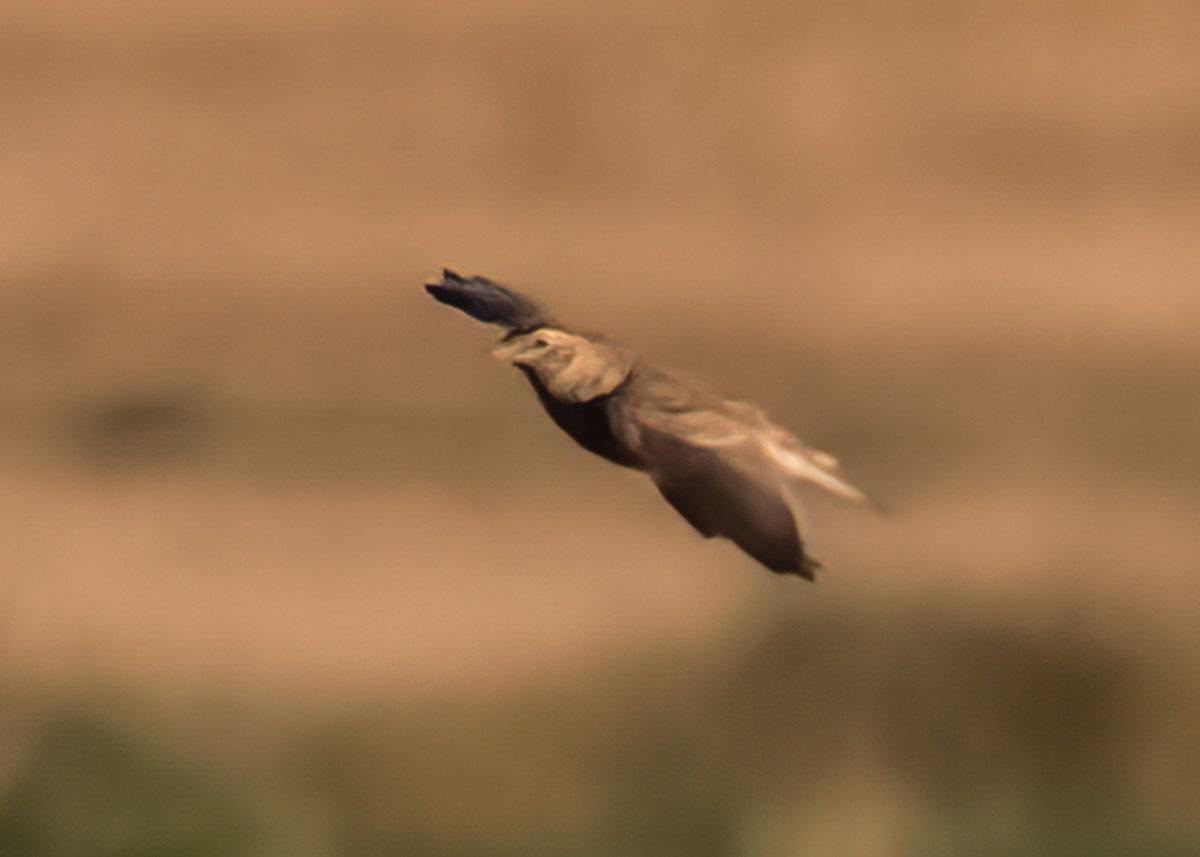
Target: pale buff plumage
pixel 722 464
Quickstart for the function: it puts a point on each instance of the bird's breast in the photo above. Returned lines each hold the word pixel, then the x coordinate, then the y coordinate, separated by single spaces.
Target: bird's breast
pixel 588 424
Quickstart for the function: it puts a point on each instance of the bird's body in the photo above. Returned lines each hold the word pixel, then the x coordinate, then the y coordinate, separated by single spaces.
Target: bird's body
pixel 590 424
pixel 722 464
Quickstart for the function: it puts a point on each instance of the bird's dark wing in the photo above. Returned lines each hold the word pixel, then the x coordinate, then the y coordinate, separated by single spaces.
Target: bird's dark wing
pixel 488 301
pixel 691 410
pixel 730 491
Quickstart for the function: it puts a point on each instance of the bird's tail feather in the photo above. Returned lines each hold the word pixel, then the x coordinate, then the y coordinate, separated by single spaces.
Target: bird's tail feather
pixel 488 301
pixel 819 468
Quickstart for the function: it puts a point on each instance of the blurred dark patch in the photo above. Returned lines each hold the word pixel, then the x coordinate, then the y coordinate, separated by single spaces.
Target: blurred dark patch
pixel 92 790
pixel 151 429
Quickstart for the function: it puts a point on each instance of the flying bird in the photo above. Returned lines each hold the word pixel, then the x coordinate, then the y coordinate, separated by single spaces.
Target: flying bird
pixel 722 464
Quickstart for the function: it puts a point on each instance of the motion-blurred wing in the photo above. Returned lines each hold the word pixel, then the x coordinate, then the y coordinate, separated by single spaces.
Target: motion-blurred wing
pixel 781 447
pixel 811 465
pixel 730 491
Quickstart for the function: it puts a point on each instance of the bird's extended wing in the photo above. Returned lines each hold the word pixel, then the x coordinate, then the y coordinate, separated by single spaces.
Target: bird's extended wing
pixel 682 406
pixel 728 489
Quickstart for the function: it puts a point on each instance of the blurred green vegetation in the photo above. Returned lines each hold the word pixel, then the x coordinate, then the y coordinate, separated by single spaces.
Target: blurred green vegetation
pixel 90 788
pixel 900 735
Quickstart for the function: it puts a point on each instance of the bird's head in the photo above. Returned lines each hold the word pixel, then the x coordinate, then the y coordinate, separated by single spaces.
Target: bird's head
pixel 545 348
pixel 571 367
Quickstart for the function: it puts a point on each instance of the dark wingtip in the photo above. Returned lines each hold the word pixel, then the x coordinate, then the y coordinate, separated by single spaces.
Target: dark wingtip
pixel 805 567
pixel 444 287
pixel 487 301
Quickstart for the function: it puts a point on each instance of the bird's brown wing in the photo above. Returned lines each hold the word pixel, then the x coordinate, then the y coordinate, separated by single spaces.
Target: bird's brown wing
pixel 697 413
pixel 730 491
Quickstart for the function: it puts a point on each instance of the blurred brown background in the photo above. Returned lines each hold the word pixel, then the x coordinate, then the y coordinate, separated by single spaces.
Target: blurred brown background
pixel 289 567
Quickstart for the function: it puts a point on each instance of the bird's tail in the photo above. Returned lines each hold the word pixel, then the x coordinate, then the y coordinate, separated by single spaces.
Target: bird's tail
pixel 488 302
pixel 819 468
